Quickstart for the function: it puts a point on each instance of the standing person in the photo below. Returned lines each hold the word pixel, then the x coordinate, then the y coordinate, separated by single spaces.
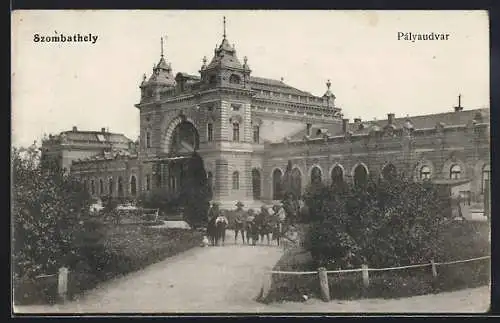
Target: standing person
pixel 221 223
pixel 274 227
pixel 279 218
pixel 213 214
pixel 261 223
pixel 248 224
pixel 239 222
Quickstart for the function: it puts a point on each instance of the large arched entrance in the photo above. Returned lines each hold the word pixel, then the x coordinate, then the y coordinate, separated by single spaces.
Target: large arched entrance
pixel 296 182
pixel 389 172
pixel 316 175
pixel 360 175
pixel 337 175
pixel 181 142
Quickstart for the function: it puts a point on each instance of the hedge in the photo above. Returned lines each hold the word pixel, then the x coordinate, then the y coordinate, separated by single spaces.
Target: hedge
pixel 125 249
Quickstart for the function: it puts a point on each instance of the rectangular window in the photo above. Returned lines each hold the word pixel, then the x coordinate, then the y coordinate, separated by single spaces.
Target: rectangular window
pixel 210 132
pixel 236 181
pixel 235 107
pixel 256 134
pixel 148 182
pixel 236 132
pixel 148 139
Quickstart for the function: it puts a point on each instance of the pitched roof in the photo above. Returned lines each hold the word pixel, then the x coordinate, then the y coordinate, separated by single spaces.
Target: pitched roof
pixel 266 84
pixel 427 121
pixel 95 137
pixel 225 56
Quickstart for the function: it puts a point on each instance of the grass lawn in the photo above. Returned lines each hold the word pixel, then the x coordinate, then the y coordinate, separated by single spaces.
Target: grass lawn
pixel 459 241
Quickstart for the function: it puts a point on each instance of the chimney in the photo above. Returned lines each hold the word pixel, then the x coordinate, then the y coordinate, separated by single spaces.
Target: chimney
pixel 459 107
pixel 75 129
pixel 357 120
pixel 345 123
pixel 103 130
pixel 390 118
pixel 309 126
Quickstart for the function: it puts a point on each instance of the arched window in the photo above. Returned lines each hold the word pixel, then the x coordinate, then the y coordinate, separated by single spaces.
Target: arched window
pixel 85 185
pixel 486 175
pixel 455 171
pixel 101 186
pixel 234 79
pixel 236 180
pixel 236 131
pixel 256 134
pixel 92 187
pixel 389 172
pixel 110 186
pixel 425 172
pixel 148 182
pixel 337 175
pixel 210 183
pixel 277 185
pixel 256 184
pixel 148 139
pixel 360 176
pixel 120 186
pixel 133 186
pixel 210 132
pixel 315 175
pixel 296 182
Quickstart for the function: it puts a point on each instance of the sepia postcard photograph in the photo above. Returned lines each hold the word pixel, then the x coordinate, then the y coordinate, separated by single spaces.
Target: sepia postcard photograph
pixel 250 161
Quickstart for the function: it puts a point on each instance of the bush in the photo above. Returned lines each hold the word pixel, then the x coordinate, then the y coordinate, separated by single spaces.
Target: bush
pixel 459 240
pixel 383 224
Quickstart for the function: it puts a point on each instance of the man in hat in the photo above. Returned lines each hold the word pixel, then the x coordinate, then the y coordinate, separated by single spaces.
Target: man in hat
pixel 239 222
pixel 213 214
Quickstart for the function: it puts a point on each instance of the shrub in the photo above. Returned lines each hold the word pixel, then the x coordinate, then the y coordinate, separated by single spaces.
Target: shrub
pixel 458 241
pixel 389 223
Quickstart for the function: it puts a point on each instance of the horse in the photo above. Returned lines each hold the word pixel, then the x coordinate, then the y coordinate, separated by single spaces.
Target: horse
pixel 220 229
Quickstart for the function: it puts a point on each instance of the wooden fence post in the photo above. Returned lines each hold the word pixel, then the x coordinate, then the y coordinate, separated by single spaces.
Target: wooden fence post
pixel 323 283
pixel 434 269
pixel 366 277
pixel 62 283
pixel 266 284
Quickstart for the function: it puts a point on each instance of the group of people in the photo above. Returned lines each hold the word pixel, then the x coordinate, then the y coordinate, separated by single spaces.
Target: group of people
pixel 251 226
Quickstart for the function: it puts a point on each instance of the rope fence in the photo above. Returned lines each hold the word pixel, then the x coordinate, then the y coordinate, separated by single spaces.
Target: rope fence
pixel 323 274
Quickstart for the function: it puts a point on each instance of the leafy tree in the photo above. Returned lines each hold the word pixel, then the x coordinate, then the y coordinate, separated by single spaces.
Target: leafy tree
pixel 47 207
pixel 195 192
pixel 388 223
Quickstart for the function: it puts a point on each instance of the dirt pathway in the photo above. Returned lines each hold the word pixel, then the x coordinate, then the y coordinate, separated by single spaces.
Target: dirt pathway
pixel 226 280
pixel 209 279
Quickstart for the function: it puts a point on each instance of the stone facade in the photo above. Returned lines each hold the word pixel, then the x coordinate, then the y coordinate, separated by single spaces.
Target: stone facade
pixel 247 128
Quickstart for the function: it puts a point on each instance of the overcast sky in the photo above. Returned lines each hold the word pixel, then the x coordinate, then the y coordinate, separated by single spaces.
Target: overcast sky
pixel 56 86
